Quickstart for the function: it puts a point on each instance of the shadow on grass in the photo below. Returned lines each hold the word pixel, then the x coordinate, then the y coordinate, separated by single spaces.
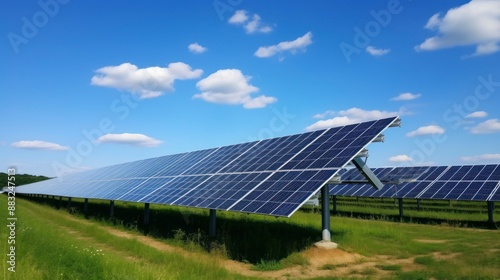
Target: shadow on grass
pixel 241 237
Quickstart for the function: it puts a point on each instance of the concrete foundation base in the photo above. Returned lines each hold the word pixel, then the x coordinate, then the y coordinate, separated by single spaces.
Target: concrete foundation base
pixel 326 244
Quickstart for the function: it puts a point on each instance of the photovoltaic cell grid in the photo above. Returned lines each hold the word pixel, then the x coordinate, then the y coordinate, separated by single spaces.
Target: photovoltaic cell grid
pixel 466 182
pixel 274 176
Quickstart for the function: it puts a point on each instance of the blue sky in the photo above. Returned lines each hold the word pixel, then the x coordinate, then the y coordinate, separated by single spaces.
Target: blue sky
pixel 88 84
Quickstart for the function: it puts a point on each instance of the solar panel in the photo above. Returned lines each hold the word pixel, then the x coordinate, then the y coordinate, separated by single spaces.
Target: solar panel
pixel 464 182
pixel 273 177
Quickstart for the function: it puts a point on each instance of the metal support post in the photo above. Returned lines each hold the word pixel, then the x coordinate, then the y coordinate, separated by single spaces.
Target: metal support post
pixel 491 208
pixel 334 200
pixel 111 208
pixel 325 214
pixel 400 202
pixel 212 223
pixel 86 206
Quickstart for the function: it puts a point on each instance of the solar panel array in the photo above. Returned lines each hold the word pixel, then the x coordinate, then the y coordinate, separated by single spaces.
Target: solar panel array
pixel 274 176
pixel 466 182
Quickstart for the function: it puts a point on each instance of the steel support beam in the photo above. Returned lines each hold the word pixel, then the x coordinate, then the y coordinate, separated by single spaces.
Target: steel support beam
pixel 366 171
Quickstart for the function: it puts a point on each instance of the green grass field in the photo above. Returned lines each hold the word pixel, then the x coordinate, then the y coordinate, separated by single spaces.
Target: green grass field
pixel 62 244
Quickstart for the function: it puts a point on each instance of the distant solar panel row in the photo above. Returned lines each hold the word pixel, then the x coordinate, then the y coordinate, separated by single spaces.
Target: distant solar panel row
pixel 273 177
pixel 466 182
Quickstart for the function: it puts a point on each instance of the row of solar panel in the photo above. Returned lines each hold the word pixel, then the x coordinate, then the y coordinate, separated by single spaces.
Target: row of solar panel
pixel 467 182
pixel 274 176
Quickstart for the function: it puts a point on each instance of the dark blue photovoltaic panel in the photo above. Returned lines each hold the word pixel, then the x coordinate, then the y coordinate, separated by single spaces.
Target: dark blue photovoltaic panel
pixel 274 176
pixel 486 172
pixel 496 195
pixel 468 182
pixel 457 190
pixel 283 191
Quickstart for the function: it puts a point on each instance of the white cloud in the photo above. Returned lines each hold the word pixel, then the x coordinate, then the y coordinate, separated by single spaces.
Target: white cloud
pixel 254 25
pixel 475 23
pixel 406 96
pixel 426 130
pixel 230 86
pixel 299 44
pixel 134 139
pixel 144 82
pixel 327 113
pixel 400 158
pixel 196 48
pixel 377 52
pixel 484 157
pixel 38 145
pixel 477 114
pixel 489 126
pixel 239 17
pixel 353 115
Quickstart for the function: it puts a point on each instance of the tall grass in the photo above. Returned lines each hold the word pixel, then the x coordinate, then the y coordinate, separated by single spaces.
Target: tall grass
pixel 50 246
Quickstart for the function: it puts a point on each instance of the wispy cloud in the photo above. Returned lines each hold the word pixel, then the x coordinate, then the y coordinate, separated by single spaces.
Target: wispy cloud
pixel 230 86
pixel 145 82
pixel 377 52
pixel 299 44
pixel 406 96
pixel 486 127
pixel 352 115
pixel 426 130
pixel 482 158
pixel 327 113
pixel 477 114
pixel 252 24
pixel 474 23
pixel 38 145
pixel 196 48
pixel 133 139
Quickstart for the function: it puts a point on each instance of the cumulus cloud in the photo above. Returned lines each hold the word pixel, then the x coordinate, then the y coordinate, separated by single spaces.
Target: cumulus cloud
pixel 196 48
pixel 251 24
pixel 377 52
pixel 486 127
pixel 38 145
pixel 400 158
pixel 230 86
pixel 133 139
pixel 482 158
pixel 144 82
pixel 476 23
pixel 239 17
pixel 406 96
pixel 477 114
pixel 426 130
pixel 353 115
pixel 299 44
